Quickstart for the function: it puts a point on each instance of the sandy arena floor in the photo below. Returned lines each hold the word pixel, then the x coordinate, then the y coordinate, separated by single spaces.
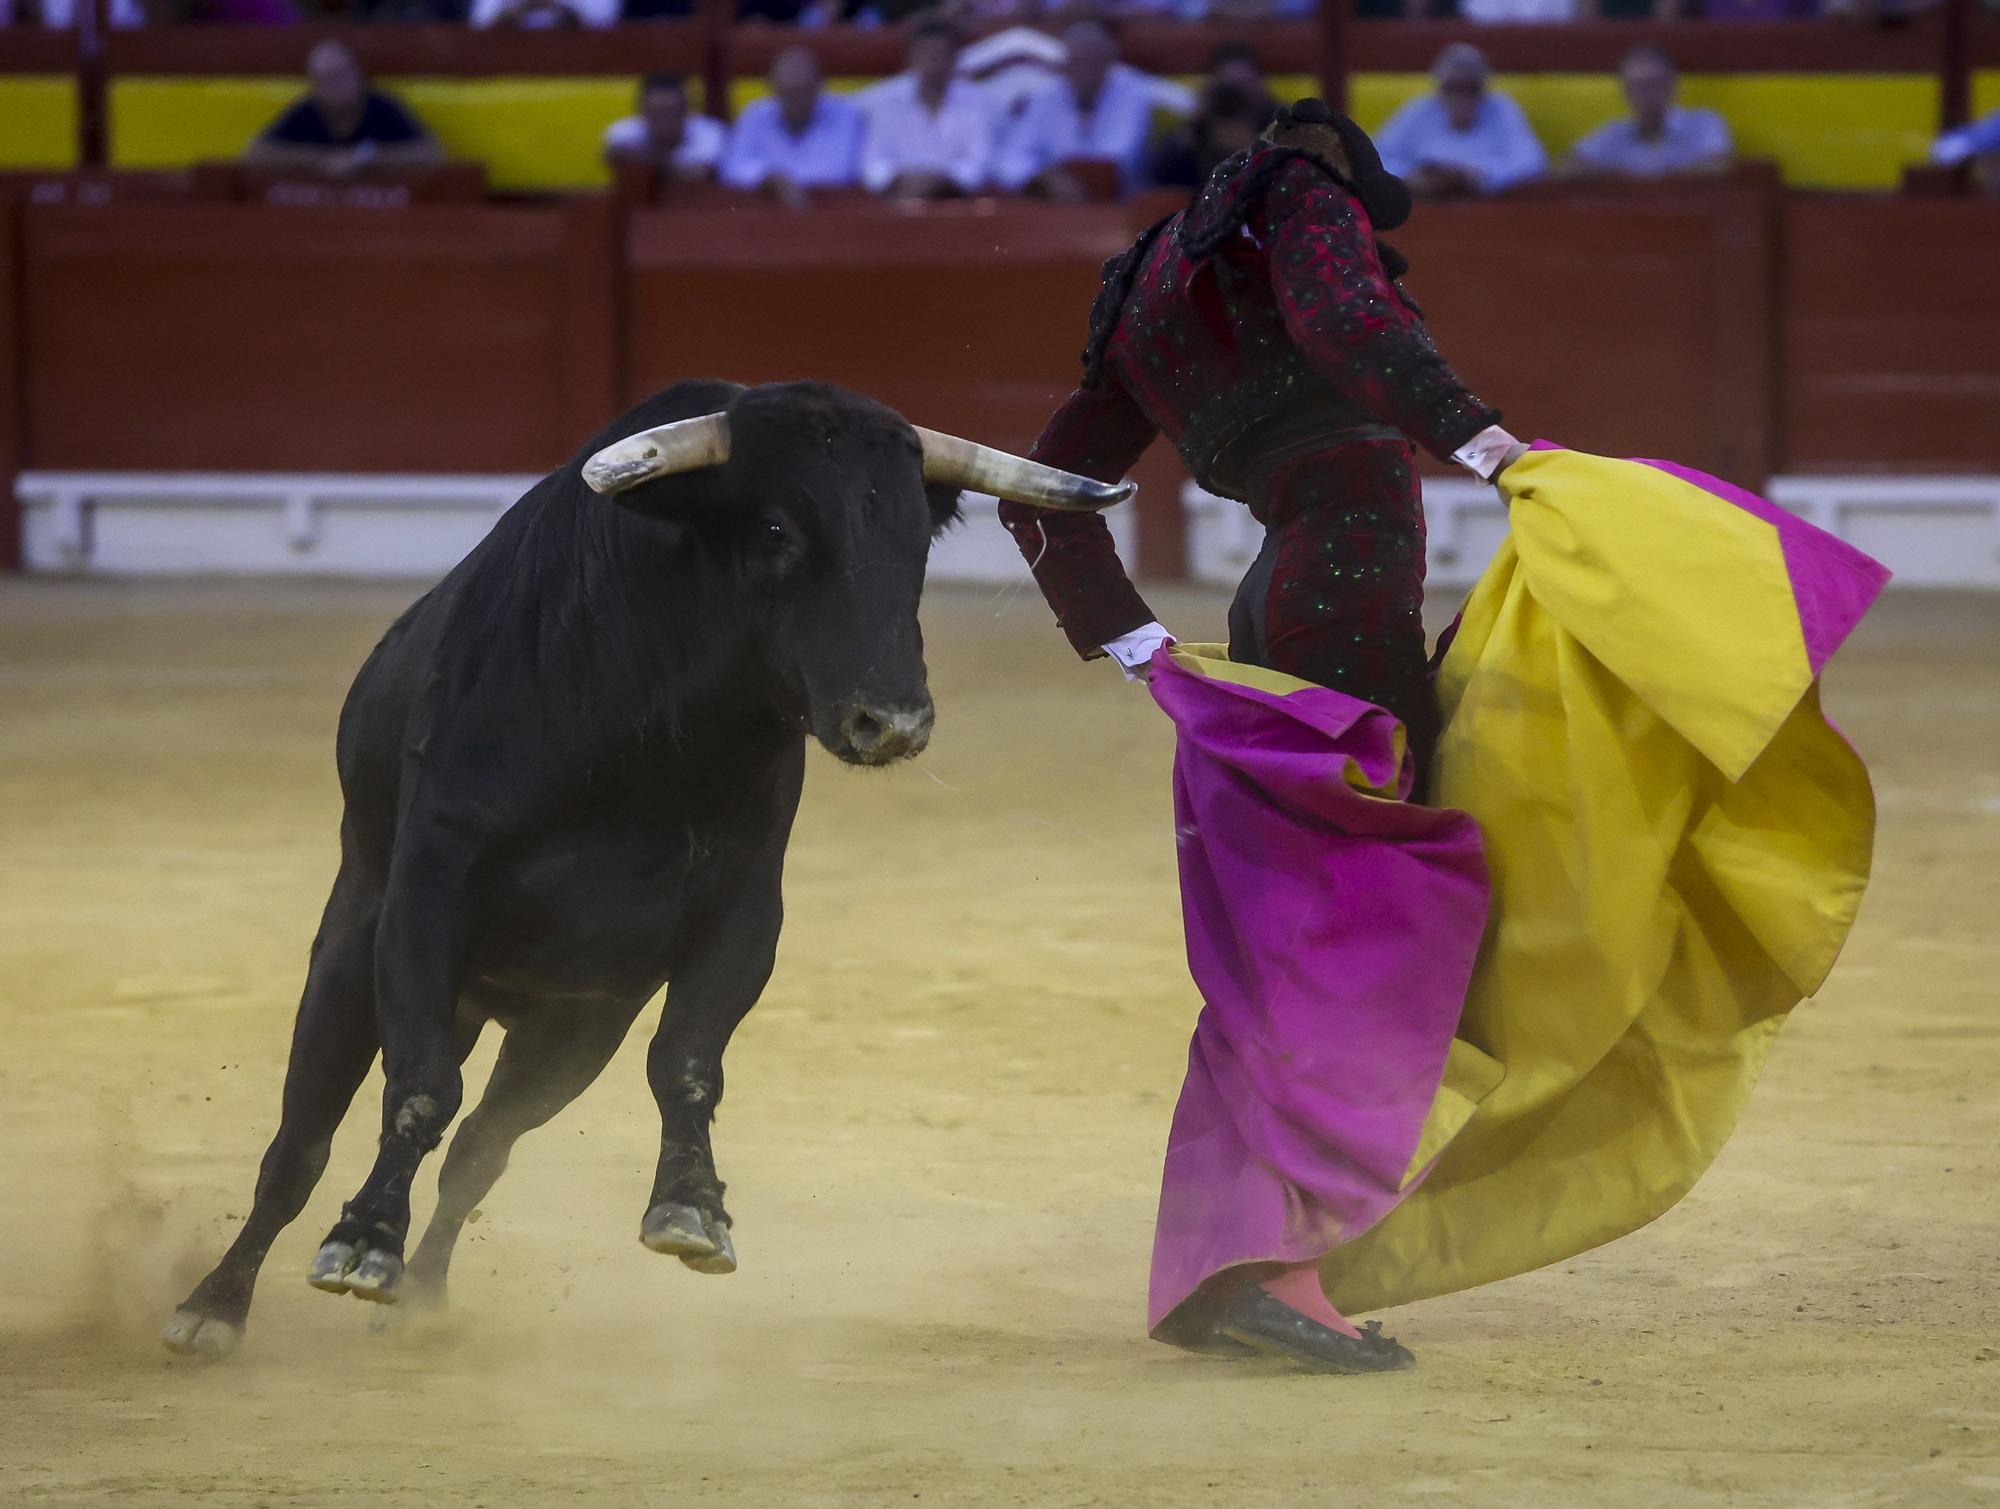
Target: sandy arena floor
pixel 942 1135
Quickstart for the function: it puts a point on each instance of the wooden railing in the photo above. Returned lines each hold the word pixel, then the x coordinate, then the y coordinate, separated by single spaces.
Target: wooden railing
pixel 1729 325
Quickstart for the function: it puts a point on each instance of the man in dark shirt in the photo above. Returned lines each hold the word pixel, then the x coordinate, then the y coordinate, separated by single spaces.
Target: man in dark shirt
pixel 1226 122
pixel 340 125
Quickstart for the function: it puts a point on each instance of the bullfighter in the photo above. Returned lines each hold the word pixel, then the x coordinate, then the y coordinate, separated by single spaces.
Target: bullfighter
pixel 1264 332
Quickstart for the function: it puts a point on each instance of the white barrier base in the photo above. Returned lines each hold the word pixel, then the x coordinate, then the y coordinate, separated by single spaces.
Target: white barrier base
pixel 332 525
pixel 1931 531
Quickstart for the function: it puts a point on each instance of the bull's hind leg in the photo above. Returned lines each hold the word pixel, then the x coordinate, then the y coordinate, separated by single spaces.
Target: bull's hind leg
pixel 333 1044
pixel 420 943
pixel 547 1060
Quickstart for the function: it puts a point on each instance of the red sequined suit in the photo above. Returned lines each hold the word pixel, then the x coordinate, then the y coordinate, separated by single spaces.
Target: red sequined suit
pixel 1259 331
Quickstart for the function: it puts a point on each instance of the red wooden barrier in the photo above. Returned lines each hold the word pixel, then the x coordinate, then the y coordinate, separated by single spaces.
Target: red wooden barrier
pixel 962 318
pixel 1891 334
pixel 1614 322
pixel 967 318
pixel 12 413
pixel 218 337
pixel 169 335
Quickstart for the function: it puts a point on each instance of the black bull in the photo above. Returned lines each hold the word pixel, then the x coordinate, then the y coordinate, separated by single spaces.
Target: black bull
pixel 570 772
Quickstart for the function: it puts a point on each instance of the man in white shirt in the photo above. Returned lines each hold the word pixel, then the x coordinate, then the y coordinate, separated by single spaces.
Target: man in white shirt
pixel 1659 137
pixel 1098 111
pixel 1465 139
pixel 930 134
pixel 1513 11
pixel 666 135
pixel 545 15
pixel 798 140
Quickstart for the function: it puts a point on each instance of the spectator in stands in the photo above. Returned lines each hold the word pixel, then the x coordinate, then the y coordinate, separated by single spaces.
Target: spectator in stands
pixel 341 125
pixel 1227 121
pixel 1977 144
pixel 545 15
pixel 798 140
pixel 1659 137
pixel 1099 111
pixel 1236 97
pixel 1235 64
pixel 1503 12
pixel 930 134
pixel 666 135
pixel 60 15
pixel 1465 139
pixel 789 12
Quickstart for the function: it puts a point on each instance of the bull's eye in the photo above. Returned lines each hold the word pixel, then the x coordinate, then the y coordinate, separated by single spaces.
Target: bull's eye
pixel 775 548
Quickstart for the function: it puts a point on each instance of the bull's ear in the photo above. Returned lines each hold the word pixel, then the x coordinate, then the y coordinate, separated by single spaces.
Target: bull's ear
pixel 947 506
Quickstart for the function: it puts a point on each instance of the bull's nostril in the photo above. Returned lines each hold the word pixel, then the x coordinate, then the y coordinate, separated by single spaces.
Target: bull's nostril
pixel 865 731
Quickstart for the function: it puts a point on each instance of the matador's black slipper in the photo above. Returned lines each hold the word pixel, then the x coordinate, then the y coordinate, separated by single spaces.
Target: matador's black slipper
pixel 1254 1319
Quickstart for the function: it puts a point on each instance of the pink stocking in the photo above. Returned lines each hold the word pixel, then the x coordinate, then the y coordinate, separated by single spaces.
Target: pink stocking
pixel 1298 1286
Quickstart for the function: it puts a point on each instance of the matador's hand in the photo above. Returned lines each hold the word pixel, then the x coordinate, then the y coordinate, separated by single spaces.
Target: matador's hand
pixel 1134 651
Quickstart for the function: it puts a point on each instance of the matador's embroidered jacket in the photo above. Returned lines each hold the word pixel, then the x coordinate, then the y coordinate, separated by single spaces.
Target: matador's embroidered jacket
pixel 1261 316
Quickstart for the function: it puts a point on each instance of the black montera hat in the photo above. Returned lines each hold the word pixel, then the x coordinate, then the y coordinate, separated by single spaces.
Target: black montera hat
pixel 1385 196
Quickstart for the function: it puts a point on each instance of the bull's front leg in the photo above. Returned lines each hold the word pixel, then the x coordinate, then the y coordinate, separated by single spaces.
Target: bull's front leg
pixel 711 992
pixel 420 946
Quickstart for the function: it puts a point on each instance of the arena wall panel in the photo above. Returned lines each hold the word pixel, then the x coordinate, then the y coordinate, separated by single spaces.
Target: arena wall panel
pixel 1613 322
pixel 967 319
pixel 1717 323
pixel 1890 334
pixel 962 318
pixel 167 337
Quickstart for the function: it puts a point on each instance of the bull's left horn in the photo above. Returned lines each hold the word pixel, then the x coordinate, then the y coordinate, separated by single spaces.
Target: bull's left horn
pixel 686 445
pixel 982 469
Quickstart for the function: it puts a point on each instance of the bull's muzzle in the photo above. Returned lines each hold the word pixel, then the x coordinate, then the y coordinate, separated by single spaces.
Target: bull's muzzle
pixel 882 735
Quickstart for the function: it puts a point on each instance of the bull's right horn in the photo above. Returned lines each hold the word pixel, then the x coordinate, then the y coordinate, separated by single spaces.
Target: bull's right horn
pixel 686 445
pixel 964 463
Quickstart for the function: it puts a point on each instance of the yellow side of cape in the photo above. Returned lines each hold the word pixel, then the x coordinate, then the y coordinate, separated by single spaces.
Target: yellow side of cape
pixel 1678 844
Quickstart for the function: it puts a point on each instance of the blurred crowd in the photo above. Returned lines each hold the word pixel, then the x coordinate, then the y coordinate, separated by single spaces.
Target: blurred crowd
pixel 1062 118
pixel 1049 110
pixel 566 14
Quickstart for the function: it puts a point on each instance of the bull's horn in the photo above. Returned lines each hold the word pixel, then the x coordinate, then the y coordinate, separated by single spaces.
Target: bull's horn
pixel 686 445
pixel 982 469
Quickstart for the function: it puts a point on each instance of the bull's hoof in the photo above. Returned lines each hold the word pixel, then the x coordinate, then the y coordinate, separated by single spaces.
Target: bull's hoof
pixel 699 1240
pixel 365 1272
pixel 207 1338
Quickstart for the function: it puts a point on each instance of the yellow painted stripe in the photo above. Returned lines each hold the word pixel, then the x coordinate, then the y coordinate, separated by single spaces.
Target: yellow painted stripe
pixel 1830 131
pixel 38 121
pixel 1985 92
pixel 172 122
pixel 532 133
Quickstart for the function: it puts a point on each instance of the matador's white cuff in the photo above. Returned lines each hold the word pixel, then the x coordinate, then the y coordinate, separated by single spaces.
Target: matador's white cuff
pixel 1484 452
pixel 1133 650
